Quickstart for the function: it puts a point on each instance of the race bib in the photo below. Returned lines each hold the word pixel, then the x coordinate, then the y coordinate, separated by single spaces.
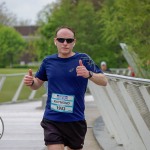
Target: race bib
pixel 62 103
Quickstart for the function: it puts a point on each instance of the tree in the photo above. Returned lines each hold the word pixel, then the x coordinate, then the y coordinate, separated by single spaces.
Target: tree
pixel 11 45
pixel 66 13
pixel 6 17
pixel 81 15
pixel 128 22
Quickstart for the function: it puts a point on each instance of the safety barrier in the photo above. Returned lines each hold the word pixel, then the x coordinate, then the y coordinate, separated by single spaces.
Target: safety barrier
pixel 125 107
pixel 4 77
pixel 15 96
pixel 121 71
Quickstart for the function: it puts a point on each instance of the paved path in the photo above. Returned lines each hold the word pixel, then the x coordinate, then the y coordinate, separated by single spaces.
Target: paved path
pixel 23 130
pixel 91 114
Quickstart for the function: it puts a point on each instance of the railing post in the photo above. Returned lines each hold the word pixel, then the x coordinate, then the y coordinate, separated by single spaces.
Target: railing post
pixel 2 80
pixel 138 120
pixel 99 100
pixel 32 95
pixel 145 95
pixel 15 98
pixel 123 118
pixel 111 112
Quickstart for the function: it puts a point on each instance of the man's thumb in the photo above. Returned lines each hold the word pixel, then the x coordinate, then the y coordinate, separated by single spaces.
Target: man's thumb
pixel 30 72
pixel 80 63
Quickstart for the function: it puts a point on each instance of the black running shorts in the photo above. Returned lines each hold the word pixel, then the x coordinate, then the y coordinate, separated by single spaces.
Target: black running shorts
pixel 71 134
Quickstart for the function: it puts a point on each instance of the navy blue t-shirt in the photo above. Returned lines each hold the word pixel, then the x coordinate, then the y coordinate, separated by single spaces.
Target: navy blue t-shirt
pixel 65 102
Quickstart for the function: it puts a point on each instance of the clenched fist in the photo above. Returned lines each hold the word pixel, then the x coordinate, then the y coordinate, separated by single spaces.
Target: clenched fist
pixel 28 79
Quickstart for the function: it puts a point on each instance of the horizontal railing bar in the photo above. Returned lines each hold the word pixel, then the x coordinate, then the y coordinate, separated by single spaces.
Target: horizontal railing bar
pixel 11 75
pixel 127 78
pixel 118 69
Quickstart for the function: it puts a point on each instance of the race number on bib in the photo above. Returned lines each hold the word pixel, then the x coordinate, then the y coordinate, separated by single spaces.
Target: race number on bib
pixel 62 103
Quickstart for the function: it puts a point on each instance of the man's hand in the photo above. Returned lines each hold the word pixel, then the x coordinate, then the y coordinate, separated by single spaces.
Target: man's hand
pixel 28 79
pixel 81 70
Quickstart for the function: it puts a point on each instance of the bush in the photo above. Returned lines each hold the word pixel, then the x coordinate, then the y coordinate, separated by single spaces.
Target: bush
pixel 24 66
pixel 2 66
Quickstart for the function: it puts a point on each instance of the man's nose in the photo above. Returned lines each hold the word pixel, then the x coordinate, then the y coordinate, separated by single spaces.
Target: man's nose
pixel 65 42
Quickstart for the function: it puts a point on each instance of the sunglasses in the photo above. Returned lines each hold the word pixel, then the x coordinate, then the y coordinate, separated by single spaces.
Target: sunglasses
pixel 62 40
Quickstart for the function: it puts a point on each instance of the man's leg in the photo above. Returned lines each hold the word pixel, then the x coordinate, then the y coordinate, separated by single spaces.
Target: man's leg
pixel 55 147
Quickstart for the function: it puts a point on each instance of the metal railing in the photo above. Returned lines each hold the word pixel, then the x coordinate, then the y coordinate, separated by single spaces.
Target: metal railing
pixel 121 71
pixel 1 127
pixel 15 97
pixel 125 107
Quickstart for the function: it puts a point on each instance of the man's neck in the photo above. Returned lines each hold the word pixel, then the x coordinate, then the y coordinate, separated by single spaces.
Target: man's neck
pixel 66 56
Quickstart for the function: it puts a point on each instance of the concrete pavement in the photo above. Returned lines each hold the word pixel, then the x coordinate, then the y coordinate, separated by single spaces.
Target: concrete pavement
pixel 23 130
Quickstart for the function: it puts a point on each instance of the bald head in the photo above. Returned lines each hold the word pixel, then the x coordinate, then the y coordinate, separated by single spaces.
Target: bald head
pixel 68 29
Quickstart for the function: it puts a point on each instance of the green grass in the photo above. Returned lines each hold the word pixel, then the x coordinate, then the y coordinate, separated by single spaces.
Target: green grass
pixel 11 84
pixel 14 70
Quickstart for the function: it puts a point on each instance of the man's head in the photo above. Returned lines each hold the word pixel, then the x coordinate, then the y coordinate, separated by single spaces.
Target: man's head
pixel 64 27
pixel 103 65
pixel 65 41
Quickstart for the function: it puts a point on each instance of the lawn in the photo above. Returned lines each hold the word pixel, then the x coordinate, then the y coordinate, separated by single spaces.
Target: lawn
pixel 12 83
pixel 15 70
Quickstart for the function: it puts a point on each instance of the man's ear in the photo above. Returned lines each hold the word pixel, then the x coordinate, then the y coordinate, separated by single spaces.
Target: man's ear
pixel 74 44
pixel 55 41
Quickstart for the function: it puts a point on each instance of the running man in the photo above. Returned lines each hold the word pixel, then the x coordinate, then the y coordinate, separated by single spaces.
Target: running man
pixel 67 74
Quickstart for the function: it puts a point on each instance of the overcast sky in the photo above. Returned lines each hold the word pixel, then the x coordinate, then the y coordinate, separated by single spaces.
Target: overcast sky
pixel 26 9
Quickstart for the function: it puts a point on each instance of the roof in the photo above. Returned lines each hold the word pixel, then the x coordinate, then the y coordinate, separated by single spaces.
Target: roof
pixel 26 30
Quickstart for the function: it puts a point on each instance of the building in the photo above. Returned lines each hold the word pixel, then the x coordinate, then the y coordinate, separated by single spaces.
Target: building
pixel 28 32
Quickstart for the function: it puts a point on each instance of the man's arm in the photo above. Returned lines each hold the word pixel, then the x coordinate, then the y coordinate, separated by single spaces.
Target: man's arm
pixel 32 82
pixel 97 78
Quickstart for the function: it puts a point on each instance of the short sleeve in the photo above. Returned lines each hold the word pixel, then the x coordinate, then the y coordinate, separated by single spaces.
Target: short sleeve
pixel 41 73
pixel 90 64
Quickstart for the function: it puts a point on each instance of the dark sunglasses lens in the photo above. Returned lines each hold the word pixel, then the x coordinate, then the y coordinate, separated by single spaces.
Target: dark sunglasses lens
pixel 69 40
pixel 62 40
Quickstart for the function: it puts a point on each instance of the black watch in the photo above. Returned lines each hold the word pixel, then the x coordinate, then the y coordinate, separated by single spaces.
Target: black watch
pixel 90 74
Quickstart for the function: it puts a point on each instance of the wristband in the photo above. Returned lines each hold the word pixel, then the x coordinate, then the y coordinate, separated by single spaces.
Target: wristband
pixel 90 74
pixel 32 83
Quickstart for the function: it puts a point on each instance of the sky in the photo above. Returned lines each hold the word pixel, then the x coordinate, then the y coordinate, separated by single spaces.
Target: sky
pixel 26 9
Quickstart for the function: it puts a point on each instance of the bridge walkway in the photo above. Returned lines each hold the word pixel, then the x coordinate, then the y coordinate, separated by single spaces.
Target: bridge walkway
pixel 23 130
